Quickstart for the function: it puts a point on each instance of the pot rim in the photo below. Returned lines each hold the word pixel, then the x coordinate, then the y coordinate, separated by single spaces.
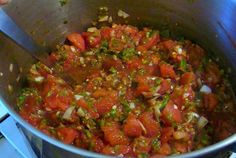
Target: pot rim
pixel 211 148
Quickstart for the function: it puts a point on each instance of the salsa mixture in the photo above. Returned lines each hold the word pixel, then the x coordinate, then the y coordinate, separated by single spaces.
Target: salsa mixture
pixel 137 94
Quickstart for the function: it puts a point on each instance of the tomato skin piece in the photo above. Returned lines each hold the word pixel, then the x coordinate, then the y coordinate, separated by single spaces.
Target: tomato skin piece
pixel 210 101
pixel 171 113
pixel 114 135
pixel 188 78
pixel 132 127
pixel 67 135
pixel 152 127
pixel 149 43
pixel 167 71
pixel 77 40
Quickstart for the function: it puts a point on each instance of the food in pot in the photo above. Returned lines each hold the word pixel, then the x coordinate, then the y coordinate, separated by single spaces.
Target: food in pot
pixel 137 94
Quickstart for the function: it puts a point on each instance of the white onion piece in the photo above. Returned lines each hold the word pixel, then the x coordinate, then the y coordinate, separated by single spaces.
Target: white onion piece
pixel 205 89
pixel 67 114
pixel 92 29
pixel 179 135
pixel 122 14
pixel 78 97
pixel 202 122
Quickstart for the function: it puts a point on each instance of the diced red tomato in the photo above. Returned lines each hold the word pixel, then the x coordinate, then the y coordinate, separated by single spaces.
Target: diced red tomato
pixel 152 127
pixel 141 145
pixel 169 44
pixel 67 135
pixel 166 134
pixel 167 71
pixel 92 39
pixel 56 102
pixel 196 54
pixel 165 149
pixel 106 33
pixel 110 62
pixel 210 101
pixel 188 78
pixel 171 114
pixel 98 144
pixel 134 64
pixel 132 127
pixel 114 135
pixel 212 75
pixel 77 40
pixel 105 104
pixel 164 87
pixel 149 43
pixel 181 147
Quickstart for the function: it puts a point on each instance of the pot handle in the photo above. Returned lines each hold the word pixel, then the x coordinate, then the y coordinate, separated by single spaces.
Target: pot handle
pixel 16 138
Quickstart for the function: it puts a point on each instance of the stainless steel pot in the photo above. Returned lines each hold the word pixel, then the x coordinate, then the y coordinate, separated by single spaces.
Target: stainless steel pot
pixel 212 24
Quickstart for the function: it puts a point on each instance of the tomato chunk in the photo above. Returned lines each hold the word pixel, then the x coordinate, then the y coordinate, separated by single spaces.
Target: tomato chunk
pixel 132 127
pixel 77 40
pixel 67 135
pixel 171 113
pixel 210 101
pixel 114 135
pixel 167 71
pixel 152 127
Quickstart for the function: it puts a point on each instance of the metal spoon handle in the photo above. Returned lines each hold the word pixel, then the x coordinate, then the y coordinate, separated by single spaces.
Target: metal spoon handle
pixel 15 33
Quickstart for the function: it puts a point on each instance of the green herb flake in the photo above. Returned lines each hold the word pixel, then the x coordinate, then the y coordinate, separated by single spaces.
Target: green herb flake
pixel 113 70
pixel 63 2
pixel 164 102
pixel 156 144
pixel 128 53
pixel 183 65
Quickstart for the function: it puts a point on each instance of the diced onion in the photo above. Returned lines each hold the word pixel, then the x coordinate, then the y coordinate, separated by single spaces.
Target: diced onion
pixel 142 126
pixel 39 79
pixel 202 122
pixel 205 89
pixel 131 105
pixel 81 112
pixel 122 14
pixel 179 135
pixel 78 97
pixel 92 29
pixel 67 114
pixel 103 18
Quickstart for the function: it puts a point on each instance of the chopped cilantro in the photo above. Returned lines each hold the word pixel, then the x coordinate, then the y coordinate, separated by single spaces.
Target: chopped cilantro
pixel 183 65
pixel 156 144
pixel 113 70
pixel 163 103
pixel 128 53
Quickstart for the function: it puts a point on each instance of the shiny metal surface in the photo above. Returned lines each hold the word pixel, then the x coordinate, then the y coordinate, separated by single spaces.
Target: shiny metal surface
pixel 209 23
